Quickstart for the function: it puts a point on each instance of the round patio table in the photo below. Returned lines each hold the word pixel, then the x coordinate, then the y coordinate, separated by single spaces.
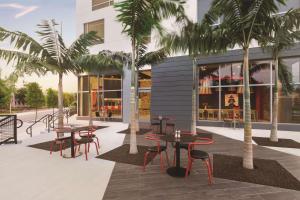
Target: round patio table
pixel 178 171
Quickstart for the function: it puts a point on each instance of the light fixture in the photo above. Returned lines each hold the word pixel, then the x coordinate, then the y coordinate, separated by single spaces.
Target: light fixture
pixel 204 88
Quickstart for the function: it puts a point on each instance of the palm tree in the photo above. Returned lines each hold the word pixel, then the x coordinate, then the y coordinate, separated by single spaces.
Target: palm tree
pixel 197 39
pixel 243 22
pixel 50 55
pixel 139 18
pixel 285 31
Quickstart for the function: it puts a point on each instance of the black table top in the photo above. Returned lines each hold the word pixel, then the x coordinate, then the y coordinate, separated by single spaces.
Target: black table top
pixel 184 138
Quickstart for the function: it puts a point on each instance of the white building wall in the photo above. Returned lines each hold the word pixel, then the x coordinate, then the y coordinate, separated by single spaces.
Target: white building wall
pixel 114 39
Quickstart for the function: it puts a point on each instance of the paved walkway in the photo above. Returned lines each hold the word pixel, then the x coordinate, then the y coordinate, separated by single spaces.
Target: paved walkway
pixel 131 182
pixel 32 174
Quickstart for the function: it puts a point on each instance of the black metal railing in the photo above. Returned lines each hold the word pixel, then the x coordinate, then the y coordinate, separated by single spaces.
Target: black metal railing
pixel 8 128
pixel 49 120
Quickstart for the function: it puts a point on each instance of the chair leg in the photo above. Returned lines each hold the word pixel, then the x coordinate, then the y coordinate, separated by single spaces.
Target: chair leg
pixel 189 167
pixel 89 147
pixel 85 151
pixel 96 148
pixel 98 142
pixel 51 147
pixel 145 160
pixel 208 171
pixel 167 158
pixel 162 165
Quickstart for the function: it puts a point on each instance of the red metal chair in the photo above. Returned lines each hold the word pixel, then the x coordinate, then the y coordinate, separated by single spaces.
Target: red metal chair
pixel 158 149
pixel 87 140
pixel 61 141
pixel 198 154
pixel 91 133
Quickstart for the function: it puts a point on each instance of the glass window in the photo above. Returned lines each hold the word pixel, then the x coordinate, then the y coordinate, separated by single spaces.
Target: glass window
pixel 144 105
pixel 260 72
pixel 94 83
pixel 112 82
pixel 113 104
pixel 209 104
pixel 97 26
pixel 260 103
pixel 83 104
pixel 232 103
pixel 293 66
pixel 289 106
pixel 98 4
pixel 209 75
pixel 83 83
pixel 145 79
pixel 231 74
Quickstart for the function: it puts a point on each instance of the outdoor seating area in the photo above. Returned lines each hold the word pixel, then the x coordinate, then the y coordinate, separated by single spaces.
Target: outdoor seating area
pixel 174 166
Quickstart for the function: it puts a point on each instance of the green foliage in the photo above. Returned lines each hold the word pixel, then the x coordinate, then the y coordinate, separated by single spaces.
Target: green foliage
pixel 34 95
pixel 20 95
pixel 5 94
pixel 69 99
pixel 51 98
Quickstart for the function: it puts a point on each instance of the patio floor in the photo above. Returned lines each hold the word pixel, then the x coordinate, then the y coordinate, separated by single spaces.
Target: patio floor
pixel 32 174
pixel 131 182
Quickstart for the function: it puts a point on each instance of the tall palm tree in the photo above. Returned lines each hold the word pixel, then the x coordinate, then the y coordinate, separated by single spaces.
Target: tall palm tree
pixel 242 22
pixel 285 32
pixel 139 18
pixel 51 54
pixel 196 39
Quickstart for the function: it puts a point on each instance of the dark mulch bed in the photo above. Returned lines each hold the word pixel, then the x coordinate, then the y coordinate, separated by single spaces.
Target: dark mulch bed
pixel 287 143
pixel 205 134
pixel 46 146
pixel 266 172
pixel 121 155
pixel 141 132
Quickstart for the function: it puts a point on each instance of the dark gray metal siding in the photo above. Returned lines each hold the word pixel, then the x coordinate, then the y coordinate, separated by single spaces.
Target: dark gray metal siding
pixel 172 90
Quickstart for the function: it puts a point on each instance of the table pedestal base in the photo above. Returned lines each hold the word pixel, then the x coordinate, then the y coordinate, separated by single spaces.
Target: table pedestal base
pixel 69 155
pixel 176 171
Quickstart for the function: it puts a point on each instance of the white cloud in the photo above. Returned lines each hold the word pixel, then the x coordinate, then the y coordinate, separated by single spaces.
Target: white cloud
pixel 23 10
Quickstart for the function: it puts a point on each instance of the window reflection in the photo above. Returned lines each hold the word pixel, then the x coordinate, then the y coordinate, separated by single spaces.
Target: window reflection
pixel 209 75
pixel 145 79
pixel 231 74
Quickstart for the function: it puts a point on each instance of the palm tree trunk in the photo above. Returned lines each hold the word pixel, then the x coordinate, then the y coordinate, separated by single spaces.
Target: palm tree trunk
pixel 273 135
pixel 248 150
pixel 194 99
pixel 60 102
pixel 90 104
pixel 137 100
pixel 133 144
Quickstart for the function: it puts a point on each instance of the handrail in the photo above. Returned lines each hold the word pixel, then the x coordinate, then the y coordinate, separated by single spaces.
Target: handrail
pixel 29 128
pixel 49 119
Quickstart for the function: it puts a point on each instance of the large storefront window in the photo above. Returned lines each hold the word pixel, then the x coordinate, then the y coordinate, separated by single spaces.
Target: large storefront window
pixel 289 104
pixel 145 84
pixel 221 91
pixel 105 95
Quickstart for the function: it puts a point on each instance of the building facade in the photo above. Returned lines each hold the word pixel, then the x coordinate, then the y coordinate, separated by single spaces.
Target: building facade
pixel 166 88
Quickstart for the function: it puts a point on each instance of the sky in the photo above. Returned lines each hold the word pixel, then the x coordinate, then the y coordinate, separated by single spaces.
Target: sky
pixel 24 15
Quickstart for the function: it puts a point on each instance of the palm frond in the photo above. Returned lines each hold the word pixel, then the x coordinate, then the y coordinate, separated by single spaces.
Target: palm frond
pixel 80 46
pixel 11 56
pixel 22 42
pixel 99 63
pixel 285 77
pixel 153 57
